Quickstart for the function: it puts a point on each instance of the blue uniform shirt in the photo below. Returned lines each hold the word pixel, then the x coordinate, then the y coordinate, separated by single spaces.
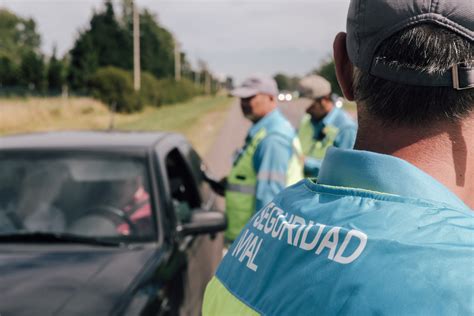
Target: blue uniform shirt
pixel 375 235
pixel 345 138
pixel 272 156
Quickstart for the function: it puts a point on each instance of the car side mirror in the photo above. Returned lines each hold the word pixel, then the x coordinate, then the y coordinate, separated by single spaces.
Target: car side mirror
pixel 204 222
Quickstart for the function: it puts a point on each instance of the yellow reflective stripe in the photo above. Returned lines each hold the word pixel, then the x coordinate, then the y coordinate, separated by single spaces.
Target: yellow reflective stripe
pixel 219 301
pixel 241 188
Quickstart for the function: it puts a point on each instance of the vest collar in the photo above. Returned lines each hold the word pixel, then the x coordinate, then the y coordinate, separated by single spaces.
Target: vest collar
pixel 329 118
pixel 383 173
pixel 265 121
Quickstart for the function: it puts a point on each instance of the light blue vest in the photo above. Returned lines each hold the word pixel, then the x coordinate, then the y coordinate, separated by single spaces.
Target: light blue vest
pixel 330 250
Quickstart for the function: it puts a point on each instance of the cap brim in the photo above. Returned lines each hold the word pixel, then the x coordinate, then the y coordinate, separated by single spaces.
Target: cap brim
pixel 244 92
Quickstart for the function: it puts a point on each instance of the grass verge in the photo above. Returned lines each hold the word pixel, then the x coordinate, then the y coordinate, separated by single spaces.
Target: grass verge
pixel 199 119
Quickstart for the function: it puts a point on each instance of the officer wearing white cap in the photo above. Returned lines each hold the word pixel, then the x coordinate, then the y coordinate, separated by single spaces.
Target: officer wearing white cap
pixel 387 228
pixel 324 125
pixel 270 159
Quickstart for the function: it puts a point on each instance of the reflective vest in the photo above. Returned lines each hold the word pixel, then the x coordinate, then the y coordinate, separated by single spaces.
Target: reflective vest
pixel 312 147
pixel 242 181
pixel 328 250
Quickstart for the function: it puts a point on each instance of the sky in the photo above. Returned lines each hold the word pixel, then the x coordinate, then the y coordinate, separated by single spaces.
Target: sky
pixel 235 37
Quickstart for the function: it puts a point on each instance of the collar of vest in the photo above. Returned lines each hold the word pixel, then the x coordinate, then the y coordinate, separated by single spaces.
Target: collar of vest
pixel 383 173
pixel 264 122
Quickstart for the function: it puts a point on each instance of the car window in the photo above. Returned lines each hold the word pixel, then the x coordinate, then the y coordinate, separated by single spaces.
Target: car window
pixel 207 195
pixel 91 195
pixel 184 193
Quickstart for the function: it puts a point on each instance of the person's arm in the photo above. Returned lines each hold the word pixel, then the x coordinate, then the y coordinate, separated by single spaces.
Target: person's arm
pixel 271 162
pixel 346 137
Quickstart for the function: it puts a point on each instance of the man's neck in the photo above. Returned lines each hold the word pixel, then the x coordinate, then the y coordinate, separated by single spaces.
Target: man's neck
pixel 256 119
pixel 445 150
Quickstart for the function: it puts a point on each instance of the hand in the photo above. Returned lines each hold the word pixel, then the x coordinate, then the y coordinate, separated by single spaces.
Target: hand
pixel 218 186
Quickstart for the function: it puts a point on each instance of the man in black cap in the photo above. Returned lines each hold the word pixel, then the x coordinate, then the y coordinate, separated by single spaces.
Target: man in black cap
pixel 324 125
pixel 387 228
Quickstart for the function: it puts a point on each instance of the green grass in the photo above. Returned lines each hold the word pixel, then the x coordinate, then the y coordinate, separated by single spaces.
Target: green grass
pixel 200 120
pixel 178 117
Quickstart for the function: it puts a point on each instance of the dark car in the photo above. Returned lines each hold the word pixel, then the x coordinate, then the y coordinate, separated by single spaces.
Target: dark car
pixel 105 223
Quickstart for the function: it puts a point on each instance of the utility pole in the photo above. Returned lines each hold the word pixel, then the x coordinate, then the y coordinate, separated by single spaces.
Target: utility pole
pixel 177 60
pixel 208 82
pixel 136 48
pixel 197 78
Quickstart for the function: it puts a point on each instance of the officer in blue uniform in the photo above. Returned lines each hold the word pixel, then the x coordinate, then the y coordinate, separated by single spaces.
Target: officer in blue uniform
pixel 387 228
pixel 269 161
pixel 324 125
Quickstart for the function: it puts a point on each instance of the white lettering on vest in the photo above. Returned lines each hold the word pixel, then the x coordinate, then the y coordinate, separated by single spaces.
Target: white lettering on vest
pixel 288 228
pixel 362 242
pixel 327 243
pixel 248 247
pixel 310 246
pixel 300 223
pixel 306 235
pixel 272 220
pixel 276 231
pixel 243 241
pixel 257 221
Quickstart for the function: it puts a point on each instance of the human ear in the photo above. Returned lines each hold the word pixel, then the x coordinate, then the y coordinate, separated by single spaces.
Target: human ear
pixel 344 67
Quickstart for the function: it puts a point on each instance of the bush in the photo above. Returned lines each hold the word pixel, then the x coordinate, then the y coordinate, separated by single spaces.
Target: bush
pixel 150 89
pixel 114 87
pixel 174 92
pixel 166 91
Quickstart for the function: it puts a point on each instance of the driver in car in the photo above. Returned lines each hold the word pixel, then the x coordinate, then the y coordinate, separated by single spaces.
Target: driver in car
pixel 137 206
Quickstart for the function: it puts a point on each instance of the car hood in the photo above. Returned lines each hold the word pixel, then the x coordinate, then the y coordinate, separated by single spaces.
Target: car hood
pixel 70 280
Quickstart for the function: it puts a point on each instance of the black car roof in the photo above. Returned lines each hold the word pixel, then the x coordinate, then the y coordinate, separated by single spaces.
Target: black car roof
pixel 83 139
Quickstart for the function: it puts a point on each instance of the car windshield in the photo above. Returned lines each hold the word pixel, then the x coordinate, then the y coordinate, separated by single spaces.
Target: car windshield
pixel 98 196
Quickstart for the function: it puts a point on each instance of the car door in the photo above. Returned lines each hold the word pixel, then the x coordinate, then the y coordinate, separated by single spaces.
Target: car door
pixel 189 194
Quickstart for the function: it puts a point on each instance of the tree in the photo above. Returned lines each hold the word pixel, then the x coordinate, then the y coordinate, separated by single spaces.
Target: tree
pixel 127 14
pixel 285 82
pixel 56 73
pixel 111 41
pixel 19 52
pixel 328 71
pixel 282 81
pixel 105 43
pixel 8 72
pixel 17 36
pixel 156 43
pixel 32 72
pixel 84 63
pixel 156 47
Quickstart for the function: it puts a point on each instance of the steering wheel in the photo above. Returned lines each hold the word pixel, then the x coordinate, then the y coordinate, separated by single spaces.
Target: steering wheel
pixel 118 216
